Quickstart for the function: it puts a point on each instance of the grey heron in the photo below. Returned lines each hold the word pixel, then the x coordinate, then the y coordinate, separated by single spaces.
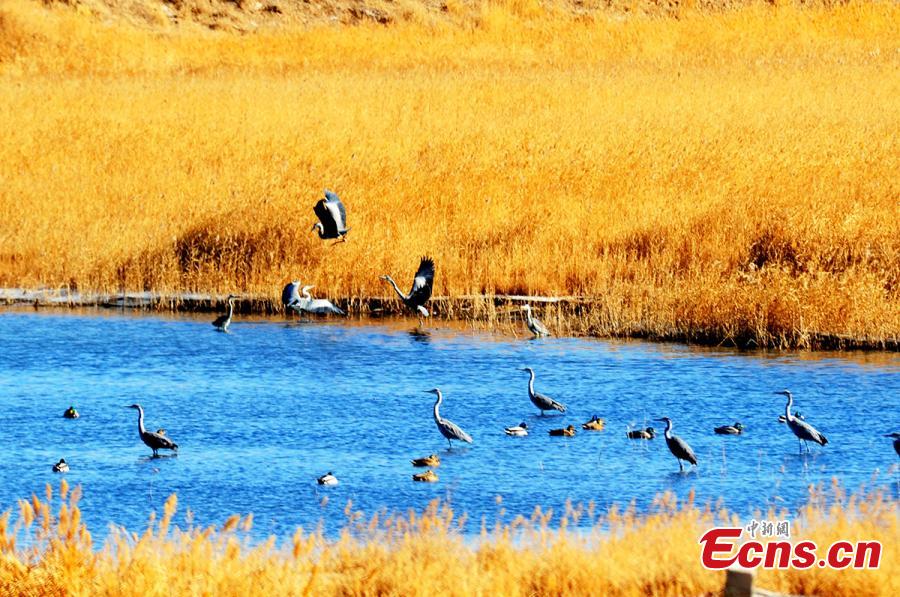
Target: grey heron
pixel 332 217
pixel 420 292
pixel 595 424
pixel 327 479
pixel 567 432
pixel 448 428
pixel 677 446
pixel 223 321
pixel 541 401
pixel 290 298
pixel 155 441
pixel 61 467
pixel 71 413
pixel 430 460
pixel 735 429
pixel 428 476
pixel 896 437
pixel 803 430
pixel 535 326
pixel 520 430
pixel 648 433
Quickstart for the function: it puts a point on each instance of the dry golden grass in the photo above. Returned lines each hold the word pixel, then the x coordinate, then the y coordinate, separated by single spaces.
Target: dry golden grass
pixel 720 176
pixel 620 553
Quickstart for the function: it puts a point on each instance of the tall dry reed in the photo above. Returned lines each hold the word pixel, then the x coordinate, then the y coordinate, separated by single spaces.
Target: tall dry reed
pixel 712 175
pixel 617 553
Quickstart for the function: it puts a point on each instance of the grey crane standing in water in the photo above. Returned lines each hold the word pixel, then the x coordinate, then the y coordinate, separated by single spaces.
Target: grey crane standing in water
pixel 423 283
pixel 155 441
pixel 223 321
pixel 290 298
pixel 541 401
pixel 677 446
pixel 803 430
pixel 535 326
pixel 332 218
pixel 448 428
pixel 896 437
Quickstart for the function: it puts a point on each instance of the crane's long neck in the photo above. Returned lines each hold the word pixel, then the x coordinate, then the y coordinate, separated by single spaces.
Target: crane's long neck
pixel 141 429
pixel 531 382
pixel 397 290
pixel 528 316
pixel 306 293
pixel 787 407
pixel 668 432
pixel 320 229
pixel 230 308
pixel 437 406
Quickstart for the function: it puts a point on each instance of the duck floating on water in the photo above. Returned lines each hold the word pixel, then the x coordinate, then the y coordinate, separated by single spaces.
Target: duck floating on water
pixel 735 429
pixel 648 433
pixel 797 415
pixel 61 467
pixel 71 413
pixel 327 479
pixel 430 460
pixel 520 430
pixel 595 424
pixel 567 432
pixel 428 476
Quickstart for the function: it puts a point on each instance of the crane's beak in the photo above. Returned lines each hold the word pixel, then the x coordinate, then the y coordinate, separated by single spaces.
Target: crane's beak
pixel 660 420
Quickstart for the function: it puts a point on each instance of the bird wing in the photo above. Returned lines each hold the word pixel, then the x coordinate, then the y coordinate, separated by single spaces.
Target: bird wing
pixel 806 431
pixel 540 327
pixel 454 429
pixel 549 403
pixel 323 306
pixel 423 282
pixel 157 440
pixel 329 226
pixel 338 213
pixel 220 320
pixel 684 451
pixel 291 294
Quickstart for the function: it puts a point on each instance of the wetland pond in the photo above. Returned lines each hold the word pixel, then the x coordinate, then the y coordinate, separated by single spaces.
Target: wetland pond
pixel 261 411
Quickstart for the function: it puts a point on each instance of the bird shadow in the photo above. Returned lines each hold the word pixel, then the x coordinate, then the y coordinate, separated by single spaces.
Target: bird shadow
pixel 684 475
pixel 454 451
pixel 158 457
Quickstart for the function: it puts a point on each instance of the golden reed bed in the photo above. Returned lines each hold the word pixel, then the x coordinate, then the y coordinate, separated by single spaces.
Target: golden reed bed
pixel 718 174
pixel 620 553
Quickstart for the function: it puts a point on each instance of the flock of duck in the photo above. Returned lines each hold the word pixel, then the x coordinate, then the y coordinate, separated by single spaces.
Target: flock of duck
pixel 332 225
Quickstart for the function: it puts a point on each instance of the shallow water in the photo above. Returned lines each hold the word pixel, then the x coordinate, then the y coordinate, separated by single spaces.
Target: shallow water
pixel 263 410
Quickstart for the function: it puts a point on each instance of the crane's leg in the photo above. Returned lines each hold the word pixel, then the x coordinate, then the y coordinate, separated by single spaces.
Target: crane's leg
pixel 449 444
pixel 680 465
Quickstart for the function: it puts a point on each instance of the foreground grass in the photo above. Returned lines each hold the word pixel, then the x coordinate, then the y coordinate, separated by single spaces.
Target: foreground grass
pixel 720 176
pixel 623 554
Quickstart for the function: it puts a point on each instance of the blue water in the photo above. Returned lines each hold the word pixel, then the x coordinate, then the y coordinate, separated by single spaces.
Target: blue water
pixel 263 410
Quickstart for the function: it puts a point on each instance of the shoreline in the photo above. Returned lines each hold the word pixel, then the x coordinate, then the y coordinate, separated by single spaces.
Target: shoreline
pixel 571 316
